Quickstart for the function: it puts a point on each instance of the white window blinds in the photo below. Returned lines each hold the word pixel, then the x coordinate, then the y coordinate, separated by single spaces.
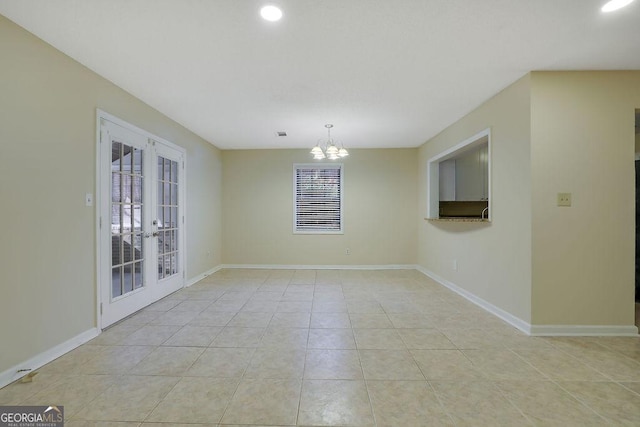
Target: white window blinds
pixel 317 198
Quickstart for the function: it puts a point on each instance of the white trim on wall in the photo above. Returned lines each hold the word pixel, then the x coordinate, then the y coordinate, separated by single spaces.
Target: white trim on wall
pixel 12 374
pixel 534 330
pixel 496 311
pixel 583 330
pixel 98 212
pixel 321 267
pixel 199 277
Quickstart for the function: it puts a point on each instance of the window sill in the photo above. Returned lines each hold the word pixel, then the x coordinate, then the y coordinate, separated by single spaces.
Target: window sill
pixel 318 232
pixel 458 219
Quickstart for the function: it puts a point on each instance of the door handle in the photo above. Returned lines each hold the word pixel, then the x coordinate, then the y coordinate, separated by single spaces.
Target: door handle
pixel 154 234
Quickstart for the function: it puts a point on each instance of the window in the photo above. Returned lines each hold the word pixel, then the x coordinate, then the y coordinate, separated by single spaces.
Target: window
pixel 460 180
pixel 317 199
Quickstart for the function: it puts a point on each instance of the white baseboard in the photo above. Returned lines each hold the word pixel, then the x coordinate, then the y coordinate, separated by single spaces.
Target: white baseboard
pixel 322 267
pixel 496 311
pixel 531 329
pixel 199 277
pixel 584 330
pixel 36 362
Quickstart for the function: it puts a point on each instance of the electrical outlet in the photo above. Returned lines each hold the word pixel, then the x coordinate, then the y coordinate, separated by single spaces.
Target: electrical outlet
pixel 564 199
pixel 454 265
pixel 347 251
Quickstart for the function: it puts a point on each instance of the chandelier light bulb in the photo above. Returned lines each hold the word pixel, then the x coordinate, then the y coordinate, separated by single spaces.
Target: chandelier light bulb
pixel 328 149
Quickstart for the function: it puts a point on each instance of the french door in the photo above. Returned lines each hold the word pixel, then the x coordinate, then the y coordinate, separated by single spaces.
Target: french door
pixel 141 220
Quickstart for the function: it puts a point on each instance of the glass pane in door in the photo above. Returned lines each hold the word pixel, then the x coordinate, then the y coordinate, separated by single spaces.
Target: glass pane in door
pixel 126 219
pixel 167 217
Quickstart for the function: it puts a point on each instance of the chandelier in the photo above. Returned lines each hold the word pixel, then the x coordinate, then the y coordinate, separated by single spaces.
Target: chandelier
pixel 328 149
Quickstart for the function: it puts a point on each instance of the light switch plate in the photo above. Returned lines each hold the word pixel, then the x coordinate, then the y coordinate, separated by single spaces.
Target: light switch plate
pixel 564 199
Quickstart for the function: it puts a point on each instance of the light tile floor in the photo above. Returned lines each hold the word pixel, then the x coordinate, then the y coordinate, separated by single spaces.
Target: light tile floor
pixel 334 348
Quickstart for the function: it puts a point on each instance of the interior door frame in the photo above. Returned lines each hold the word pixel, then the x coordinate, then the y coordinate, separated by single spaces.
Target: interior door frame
pixel 104 198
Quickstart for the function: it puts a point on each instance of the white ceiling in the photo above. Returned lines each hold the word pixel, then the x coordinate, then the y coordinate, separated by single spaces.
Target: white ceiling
pixel 385 73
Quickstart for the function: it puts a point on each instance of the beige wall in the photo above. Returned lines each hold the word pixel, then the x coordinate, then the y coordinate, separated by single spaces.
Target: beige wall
pixel 551 132
pixel 583 142
pixel 48 153
pixel 379 210
pixel 494 260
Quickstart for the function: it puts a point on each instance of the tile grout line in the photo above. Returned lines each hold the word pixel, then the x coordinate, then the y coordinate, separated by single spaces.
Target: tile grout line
pixel 512 403
pixel 357 287
pixel 582 402
pixel 439 399
pixel 364 379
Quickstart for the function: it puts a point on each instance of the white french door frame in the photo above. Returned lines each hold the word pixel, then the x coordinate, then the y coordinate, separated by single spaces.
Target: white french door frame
pixel 103 203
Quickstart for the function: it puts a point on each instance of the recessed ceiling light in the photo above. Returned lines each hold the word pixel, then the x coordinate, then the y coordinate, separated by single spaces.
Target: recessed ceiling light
pixel 271 13
pixel 612 5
